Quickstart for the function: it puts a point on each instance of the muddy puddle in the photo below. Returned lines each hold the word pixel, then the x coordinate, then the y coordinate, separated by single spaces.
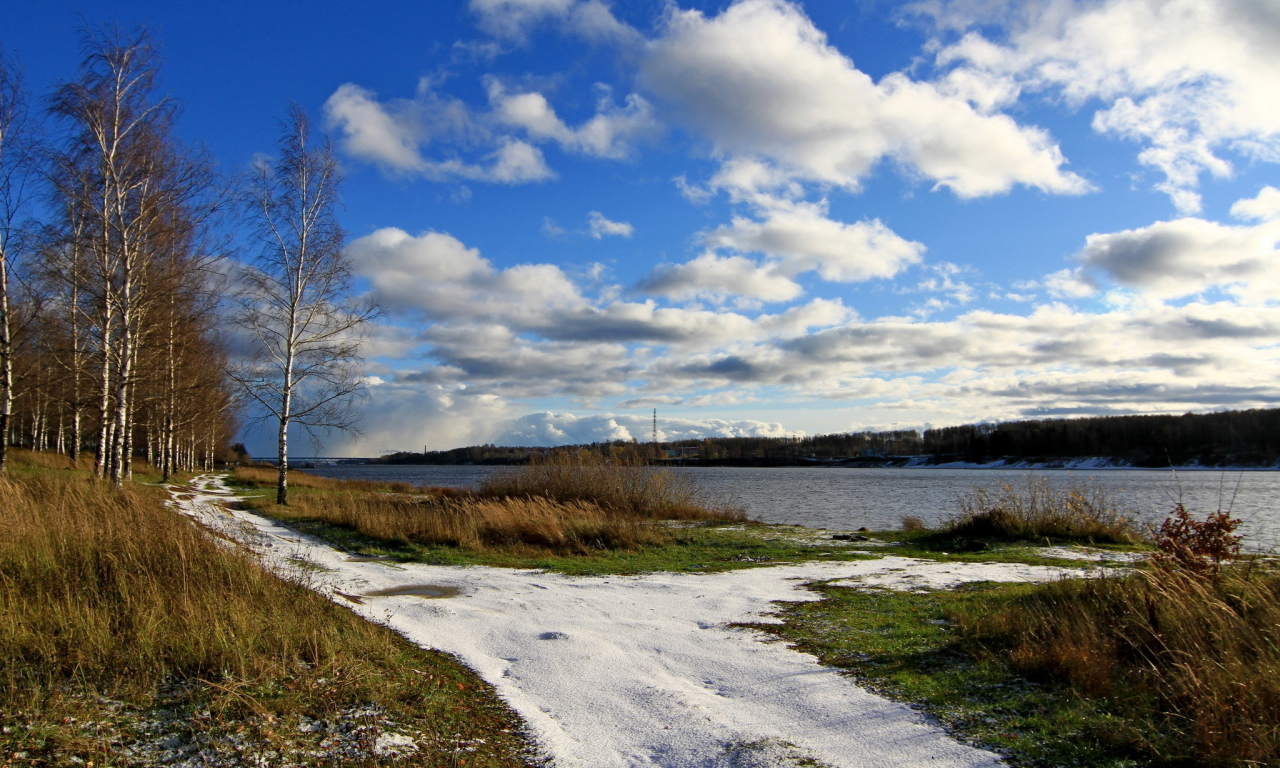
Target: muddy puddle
pixel 369 559
pixel 417 590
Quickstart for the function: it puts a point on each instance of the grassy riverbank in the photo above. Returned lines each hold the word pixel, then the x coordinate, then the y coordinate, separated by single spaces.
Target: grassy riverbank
pixel 1175 661
pixel 575 513
pixel 1153 668
pixel 1160 665
pixel 131 638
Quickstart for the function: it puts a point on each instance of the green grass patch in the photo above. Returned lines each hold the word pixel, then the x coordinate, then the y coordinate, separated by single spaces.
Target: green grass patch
pixel 905 646
pixel 946 547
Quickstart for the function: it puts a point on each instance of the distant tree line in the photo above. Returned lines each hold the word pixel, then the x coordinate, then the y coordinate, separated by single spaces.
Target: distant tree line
pixel 1229 437
pixel 1246 437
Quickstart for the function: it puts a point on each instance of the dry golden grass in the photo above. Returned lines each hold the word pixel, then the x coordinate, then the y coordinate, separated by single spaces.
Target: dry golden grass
pixel 567 503
pixel 513 525
pixel 1196 659
pixel 102 581
pixel 1038 511
pixel 105 591
pixel 23 459
pixel 266 477
pixel 619 484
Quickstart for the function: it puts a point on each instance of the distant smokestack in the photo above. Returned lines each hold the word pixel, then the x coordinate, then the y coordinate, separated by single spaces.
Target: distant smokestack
pixel 655 426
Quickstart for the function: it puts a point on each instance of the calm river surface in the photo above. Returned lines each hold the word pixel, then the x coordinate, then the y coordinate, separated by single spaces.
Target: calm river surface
pixel 846 498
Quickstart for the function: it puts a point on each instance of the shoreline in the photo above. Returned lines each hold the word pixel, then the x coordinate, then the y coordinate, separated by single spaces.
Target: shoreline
pixel 1063 465
pixel 906 462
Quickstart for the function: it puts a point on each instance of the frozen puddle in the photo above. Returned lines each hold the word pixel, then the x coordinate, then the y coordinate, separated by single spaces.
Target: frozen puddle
pixel 417 590
pixel 638 671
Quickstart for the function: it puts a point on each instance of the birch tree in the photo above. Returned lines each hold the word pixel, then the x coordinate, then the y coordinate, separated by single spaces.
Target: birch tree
pixel 116 127
pixel 16 165
pixel 135 194
pixel 294 304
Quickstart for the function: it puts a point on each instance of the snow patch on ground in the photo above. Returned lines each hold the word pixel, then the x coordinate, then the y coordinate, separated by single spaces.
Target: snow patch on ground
pixel 639 670
pixel 1090 555
pixel 906 575
pixel 394 745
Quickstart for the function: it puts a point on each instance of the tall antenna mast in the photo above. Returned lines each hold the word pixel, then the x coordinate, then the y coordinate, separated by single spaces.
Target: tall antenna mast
pixel 655 426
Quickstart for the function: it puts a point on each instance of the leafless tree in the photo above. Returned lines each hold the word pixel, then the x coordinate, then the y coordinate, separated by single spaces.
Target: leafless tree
pixel 295 304
pixel 131 197
pixel 17 159
pixel 115 124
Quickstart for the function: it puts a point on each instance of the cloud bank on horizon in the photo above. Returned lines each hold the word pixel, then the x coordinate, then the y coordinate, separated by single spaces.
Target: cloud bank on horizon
pixel 814 280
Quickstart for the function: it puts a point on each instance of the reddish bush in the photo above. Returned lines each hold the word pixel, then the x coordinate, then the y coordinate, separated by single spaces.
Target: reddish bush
pixel 1197 546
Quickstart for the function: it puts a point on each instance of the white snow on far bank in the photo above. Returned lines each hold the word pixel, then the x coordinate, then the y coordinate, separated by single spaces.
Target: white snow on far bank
pixel 641 670
pixel 1096 462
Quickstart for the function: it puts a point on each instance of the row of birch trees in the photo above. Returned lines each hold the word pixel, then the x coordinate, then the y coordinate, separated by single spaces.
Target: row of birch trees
pixel 114 299
pixel 110 271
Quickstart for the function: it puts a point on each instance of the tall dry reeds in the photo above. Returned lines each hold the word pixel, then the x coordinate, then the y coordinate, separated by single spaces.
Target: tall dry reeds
pixel 107 588
pixel 260 477
pixel 564 503
pixel 1192 663
pixel 28 459
pixel 509 524
pixel 621 484
pixel 1036 511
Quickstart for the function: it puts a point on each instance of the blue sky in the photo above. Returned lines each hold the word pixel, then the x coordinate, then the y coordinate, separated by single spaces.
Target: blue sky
pixel 764 217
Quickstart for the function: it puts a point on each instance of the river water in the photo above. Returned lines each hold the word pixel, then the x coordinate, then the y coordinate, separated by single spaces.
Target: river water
pixel 846 498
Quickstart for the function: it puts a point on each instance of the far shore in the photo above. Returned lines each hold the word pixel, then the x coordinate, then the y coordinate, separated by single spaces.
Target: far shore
pixel 886 462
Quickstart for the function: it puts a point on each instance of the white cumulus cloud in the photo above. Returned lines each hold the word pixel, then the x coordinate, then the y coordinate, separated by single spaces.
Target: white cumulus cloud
pixel 602 227
pixel 550 428
pixel 760 80
pixel 610 133
pixel 372 132
pixel 801 238
pixel 1264 207
pixel 590 19
pixel 1171 259
pixel 794 237
pixel 434 275
pixel 392 134
pixel 1186 79
pixel 713 276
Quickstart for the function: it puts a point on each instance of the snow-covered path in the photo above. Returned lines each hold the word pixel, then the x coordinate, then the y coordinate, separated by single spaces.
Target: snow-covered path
pixel 638 671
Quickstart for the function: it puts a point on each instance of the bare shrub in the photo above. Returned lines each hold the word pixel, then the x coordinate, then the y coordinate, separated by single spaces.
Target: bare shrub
pixel 1197 546
pixel 1192 664
pixel 913 523
pixel 1038 511
pixel 621 484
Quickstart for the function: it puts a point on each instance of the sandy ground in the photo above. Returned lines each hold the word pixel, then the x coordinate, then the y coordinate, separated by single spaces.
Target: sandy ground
pixel 637 671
